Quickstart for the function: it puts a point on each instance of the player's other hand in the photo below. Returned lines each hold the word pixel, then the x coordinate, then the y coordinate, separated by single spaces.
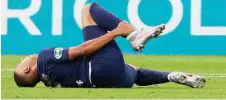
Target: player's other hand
pixel 124 28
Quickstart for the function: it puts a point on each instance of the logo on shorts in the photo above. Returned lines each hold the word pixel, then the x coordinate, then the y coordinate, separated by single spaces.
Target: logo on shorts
pixel 79 82
pixel 58 53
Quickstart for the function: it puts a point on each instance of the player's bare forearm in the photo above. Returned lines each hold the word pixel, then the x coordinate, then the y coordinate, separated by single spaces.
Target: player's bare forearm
pixel 97 43
pixel 92 46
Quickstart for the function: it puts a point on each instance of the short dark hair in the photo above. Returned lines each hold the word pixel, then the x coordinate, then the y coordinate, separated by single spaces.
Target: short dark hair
pixel 22 82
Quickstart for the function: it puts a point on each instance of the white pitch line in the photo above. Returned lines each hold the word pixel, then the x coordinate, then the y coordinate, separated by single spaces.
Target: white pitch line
pixel 210 73
pixel 7 76
pixel 215 76
pixel 7 69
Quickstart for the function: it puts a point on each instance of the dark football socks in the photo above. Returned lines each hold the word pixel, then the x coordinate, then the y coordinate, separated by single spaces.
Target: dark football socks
pixel 150 77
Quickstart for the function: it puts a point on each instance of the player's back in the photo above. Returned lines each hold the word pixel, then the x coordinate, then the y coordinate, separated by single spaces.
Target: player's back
pixel 56 70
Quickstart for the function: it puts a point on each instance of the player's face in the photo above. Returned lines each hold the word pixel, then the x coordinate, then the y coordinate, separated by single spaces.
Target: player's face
pixel 28 67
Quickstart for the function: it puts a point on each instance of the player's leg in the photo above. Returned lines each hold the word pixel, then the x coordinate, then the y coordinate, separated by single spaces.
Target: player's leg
pixel 149 77
pixel 108 21
pixel 103 18
pixel 142 77
pixel 107 63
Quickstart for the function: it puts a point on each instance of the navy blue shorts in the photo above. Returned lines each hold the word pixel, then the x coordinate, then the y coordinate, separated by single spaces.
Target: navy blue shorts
pixel 108 67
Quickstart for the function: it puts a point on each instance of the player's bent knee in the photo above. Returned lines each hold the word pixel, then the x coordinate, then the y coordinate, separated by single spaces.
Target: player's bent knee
pixel 86 7
pixel 87 19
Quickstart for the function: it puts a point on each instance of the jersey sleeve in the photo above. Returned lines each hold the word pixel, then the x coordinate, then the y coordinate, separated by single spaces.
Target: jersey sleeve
pixel 54 55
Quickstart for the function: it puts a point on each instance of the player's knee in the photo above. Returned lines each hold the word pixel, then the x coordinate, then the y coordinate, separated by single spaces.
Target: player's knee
pixel 86 7
pixel 87 19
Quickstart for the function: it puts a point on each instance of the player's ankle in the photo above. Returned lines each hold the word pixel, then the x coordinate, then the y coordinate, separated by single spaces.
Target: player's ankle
pixel 131 36
pixel 168 77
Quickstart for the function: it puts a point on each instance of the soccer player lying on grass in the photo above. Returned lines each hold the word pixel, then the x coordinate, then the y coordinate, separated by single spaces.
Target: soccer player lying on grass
pixel 98 62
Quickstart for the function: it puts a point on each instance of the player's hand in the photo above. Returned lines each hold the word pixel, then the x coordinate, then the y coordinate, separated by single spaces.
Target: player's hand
pixel 124 28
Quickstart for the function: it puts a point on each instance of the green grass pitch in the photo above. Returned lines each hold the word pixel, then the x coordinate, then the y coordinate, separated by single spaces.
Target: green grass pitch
pixel 212 67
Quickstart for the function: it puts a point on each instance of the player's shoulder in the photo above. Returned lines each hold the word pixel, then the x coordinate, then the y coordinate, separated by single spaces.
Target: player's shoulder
pixel 45 52
pixel 54 54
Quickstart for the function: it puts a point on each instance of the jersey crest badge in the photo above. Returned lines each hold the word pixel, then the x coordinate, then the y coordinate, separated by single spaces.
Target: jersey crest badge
pixel 58 53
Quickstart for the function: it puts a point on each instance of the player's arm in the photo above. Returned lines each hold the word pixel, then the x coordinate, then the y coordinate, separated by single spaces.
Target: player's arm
pixel 93 45
pixel 61 55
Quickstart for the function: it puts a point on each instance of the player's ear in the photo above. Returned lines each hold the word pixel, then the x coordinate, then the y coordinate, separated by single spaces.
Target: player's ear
pixel 26 70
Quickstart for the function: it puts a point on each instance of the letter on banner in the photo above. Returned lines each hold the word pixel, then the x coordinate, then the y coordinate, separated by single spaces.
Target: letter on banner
pixel 197 28
pixel 57 17
pixel 22 14
pixel 79 4
pixel 174 21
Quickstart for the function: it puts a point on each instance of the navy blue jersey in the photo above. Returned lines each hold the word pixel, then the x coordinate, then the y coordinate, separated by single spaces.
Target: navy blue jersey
pixel 56 69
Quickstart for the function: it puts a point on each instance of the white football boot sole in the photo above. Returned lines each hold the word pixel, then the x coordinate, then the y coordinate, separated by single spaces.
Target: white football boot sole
pixel 194 81
pixel 139 38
